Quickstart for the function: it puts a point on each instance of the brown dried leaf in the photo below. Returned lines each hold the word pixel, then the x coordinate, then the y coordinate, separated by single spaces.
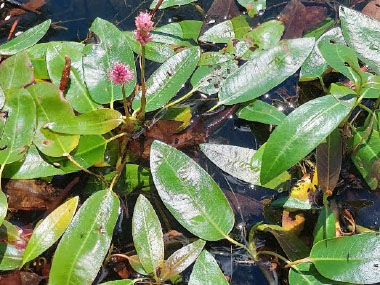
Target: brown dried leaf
pixel 220 11
pixel 32 6
pixel 372 9
pixel 293 222
pixel 20 278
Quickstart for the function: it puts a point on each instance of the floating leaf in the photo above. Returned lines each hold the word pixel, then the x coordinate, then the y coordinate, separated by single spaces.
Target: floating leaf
pixel 329 161
pixel 96 122
pixel 181 259
pixel 266 35
pixel 168 79
pixel 306 274
pixel 189 193
pixel 97 62
pixel 262 112
pixel 353 259
pixel 184 33
pixel 242 163
pixel 147 236
pixel 16 71
pixel 51 107
pixel 213 58
pixel 19 128
pixel 206 271
pixel 314 120
pixel 272 67
pixel 89 236
pixel 325 227
pixel 170 3
pixel 77 93
pixel 50 229
pixel 362 34
pixel 253 7
pixel 26 39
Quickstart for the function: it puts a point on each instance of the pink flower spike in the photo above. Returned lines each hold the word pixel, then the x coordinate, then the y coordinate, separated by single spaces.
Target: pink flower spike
pixel 144 25
pixel 120 74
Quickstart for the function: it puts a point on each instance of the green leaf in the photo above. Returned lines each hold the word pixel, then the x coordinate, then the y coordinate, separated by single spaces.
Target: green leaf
pixel 190 194
pixel 315 65
pixel 16 71
pixel 272 67
pixel 306 274
pixel 77 93
pixel 259 111
pixel 89 151
pixel 292 204
pixel 242 163
pixel 293 247
pixel 137 178
pixel 371 86
pixel 37 55
pixel 325 227
pixel 19 128
pixel 329 161
pixel 253 7
pixel 184 33
pixel 10 256
pixel 84 245
pixel 206 271
pixel 320 29
pixel 170 3
pixel 363 35
pixel 301 132
pixel 119 282
pixel 2 98
pixel 366 155
pixel 266 35
pixel 50 229
pixel 147 236
pixel 181 259
pixel 157 52
pixel 97 62
pixel 168 79
pixel 207 79
pixel 353 259
pixel 3 207
pixel 213 58
pixel 136 265
pixel 96 122
pixel 26 39
pixel 50 108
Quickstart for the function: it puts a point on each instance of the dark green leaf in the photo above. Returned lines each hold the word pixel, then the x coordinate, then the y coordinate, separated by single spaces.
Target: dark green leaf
pixel 206 271
pixel 272 67
pixel 168 79
pixel 189 193
pixel 301 132
pixel 84 245
pixel 25 40
pixel 50 229
pixel 325 227
pixel 306 274
pixel 147 236
pixel 262 112
pixel 181 259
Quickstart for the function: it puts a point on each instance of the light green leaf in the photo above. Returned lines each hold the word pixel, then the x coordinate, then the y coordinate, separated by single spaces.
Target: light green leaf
pixel 51 107
pixel 96 122
pixel 50 229
pixel 19 128
pixel 254 7
pixel 213 58
pixel 262 112
pixel 266 35
pixel 16 72
pixel 84 245
pixel 2 98
pixel 353 259
pixel 26 39
pixel 363 35
pixel 206 271
pixel 272 67
pixel 170 3
pixel 37 55
pixel 10 256
pixel 3 207
pixel 147 236
pixel 168 79
pixel 306 274
pixel 325 227
pixel 301 132
pixel 184 33
pixel 181 259
pixel 189 193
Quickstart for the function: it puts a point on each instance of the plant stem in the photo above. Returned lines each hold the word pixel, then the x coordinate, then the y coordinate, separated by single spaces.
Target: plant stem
pixel 299 261
pixel 275 255
pixel 141 112
pixel 115 137
pixel 156 8
pixel 179 100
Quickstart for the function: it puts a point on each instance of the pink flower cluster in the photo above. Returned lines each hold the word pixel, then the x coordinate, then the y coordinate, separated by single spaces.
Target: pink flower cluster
pixel 144 25
pixel 120 74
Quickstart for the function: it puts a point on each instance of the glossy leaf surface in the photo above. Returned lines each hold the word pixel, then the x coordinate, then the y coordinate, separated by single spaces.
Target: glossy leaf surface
pixel 147 235
pixel 301 132
pixel 206 271
pixel 16 71
pixel 96 122
pixel 325 227
pixel 3 207
pixel 10 256
pixel 181 259
pixel 306 274
pixel 189 193
pixel 25 40
pixel 170 3
pixel 19 128
pixel 50 229
pixel 272 67
pixel 353 259
pixel 50 108
pixel 262 112
pixel 88 237
pixel 168 79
